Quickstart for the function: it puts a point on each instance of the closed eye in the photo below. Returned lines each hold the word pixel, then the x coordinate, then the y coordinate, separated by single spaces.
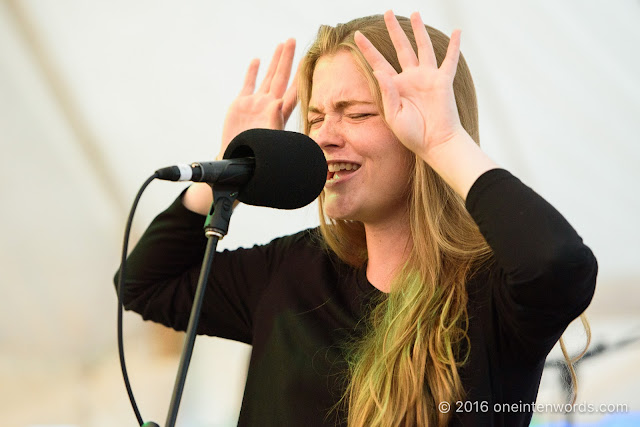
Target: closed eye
pixel 360 116
pixel 315 120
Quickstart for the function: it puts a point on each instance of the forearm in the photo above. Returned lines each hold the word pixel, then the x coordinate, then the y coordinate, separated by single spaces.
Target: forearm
pixel 173 242
pixel 162 268
pixel 539 252
pixel 459 161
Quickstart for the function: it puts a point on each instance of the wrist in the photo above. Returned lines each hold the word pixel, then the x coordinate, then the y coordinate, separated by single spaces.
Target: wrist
pixel 459 161
pixel 198 198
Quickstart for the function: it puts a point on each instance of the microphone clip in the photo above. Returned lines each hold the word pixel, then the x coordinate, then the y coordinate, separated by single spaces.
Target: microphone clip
pixel 217 222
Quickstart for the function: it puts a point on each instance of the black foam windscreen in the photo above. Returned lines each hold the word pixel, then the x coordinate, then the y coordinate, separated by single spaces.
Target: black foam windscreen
pixel 290 170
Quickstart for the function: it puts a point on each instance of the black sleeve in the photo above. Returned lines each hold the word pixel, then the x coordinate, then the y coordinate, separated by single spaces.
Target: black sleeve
pixel 545 274
pixel 163 269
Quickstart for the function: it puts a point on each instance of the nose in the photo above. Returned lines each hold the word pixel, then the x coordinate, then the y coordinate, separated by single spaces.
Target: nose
pixel 328 134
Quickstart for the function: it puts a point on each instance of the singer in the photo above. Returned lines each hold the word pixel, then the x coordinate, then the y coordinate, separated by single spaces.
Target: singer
pixel 436 279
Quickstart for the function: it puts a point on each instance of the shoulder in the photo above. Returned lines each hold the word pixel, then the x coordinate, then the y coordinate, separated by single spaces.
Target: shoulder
pixel 310 239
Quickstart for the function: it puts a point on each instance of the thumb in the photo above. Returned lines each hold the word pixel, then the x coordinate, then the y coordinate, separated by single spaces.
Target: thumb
pixel 276 120
pixel 289 102
pixel 291 95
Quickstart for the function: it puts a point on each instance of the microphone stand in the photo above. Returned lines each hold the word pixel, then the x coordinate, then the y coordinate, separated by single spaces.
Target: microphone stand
pixel 215 228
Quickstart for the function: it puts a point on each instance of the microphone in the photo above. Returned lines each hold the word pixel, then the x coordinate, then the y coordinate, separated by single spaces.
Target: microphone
pixel 273 168
pixel 233 172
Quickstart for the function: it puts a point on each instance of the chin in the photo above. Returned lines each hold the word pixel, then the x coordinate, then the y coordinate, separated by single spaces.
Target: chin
pixel 338 214
pixel 337 217
pixel 339 207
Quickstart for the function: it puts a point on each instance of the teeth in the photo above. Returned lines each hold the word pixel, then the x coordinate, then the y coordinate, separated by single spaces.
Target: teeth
pixel 336 167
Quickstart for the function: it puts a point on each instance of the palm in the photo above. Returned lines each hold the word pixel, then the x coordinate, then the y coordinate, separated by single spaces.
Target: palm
pixel 252 111
pixel 423 113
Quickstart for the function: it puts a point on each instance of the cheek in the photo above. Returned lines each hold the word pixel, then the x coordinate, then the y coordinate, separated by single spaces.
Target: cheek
pixel 393 154
pixel 397 166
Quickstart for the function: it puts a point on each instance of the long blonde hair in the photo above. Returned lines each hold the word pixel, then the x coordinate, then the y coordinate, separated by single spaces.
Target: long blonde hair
pixel 416 339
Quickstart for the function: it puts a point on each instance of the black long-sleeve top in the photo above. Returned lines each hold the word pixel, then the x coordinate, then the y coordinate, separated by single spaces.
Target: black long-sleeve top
pixel 297 304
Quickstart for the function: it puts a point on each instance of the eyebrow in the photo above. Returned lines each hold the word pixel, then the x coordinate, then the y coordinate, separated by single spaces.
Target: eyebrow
pixel 341 105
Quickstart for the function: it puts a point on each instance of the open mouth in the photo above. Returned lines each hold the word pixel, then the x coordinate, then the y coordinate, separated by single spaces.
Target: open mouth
pixel 337 171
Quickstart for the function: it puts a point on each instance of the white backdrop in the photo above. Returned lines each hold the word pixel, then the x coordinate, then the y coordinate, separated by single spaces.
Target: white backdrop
pixel 94 96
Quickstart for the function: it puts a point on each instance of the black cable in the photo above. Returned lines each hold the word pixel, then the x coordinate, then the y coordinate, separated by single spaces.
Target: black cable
pixel 215 227
pixel 121 277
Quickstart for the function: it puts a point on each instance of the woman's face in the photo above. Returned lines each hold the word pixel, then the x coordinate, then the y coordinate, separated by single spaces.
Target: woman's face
pixel 368 166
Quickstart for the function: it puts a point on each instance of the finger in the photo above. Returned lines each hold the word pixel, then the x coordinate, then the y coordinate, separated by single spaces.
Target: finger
pixel 371 54
pixel 250 78
pixel 426 56
pixel 390 96
pixel 450 62
pixel 266 82
pixel 283 72
pixel 290 98
pixel 404 51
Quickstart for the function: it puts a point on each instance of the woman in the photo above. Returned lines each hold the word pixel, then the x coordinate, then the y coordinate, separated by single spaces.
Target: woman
pixel 437 282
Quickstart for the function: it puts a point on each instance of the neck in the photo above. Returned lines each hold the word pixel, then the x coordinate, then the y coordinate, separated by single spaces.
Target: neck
pixel 388 247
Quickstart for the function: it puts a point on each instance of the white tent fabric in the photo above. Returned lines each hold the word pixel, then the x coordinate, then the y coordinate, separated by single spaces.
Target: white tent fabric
pixel 94 96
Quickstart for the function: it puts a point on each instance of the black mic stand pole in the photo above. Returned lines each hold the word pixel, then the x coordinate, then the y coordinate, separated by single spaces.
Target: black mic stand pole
pixel 215 228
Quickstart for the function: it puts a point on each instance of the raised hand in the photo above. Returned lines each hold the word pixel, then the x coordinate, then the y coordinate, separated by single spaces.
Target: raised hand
pixel 420 107
pixel 268 107
pixel 419 103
